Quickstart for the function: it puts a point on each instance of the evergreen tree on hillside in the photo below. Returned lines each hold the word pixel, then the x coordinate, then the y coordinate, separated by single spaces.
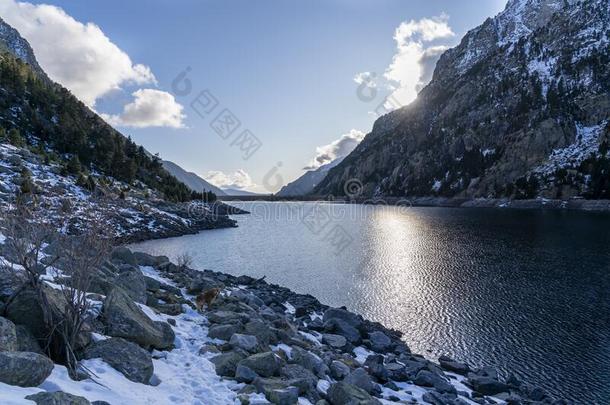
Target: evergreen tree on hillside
pixel 61 122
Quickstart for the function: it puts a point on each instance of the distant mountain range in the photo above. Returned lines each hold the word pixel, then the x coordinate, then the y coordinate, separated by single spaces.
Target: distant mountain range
pixel 237 192
pixel 519 109
pixel 193 181
pixel 307 182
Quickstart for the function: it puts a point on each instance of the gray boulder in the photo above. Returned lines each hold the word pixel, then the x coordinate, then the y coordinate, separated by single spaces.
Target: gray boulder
pixel 427 378
pixel 26 310
pixel 264 334
pixel 449 364
pixel 152 284
pixel 8 336
pixel 283 396
pixel 380 342
pixel 309 361
pixel 248 343
pixel 266 364
pixel 339 370
pixel 343 393
pixel 275 389
pixel 124 255
pixel 226 317
pixel 245 374
pixel 26 342
pixel 145 259
pixel 223 332
pixel 360 378
pixel 130 359
pixel 375 366
pixel 341 314
pixel 123 318
pixel 488 385
pixel 343 328
pixel 57 398
pixel 132 281
pixel 334 341
pixel 226 363
pixel 197 285
pixel 302 378
pixel 24 369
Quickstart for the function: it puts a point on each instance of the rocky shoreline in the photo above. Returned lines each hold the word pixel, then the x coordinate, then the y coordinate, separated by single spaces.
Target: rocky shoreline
pixel 263 344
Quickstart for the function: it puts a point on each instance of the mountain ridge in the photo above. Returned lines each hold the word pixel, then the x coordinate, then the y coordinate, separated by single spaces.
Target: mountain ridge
pixel 517 94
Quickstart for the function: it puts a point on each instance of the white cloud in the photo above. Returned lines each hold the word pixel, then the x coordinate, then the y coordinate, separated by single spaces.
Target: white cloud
pixel 413 64
pixel 239 180
pixel 336 150
pixel 150 108
pixel 79 56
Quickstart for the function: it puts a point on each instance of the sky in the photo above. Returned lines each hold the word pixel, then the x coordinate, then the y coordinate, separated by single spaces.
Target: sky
pixel 247 94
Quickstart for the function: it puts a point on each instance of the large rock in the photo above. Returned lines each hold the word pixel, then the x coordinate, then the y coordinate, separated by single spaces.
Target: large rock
pixel 124 255
pixel 8 336
pixel 130 359
pixel 132 281
pixel 380 342
pixel 340 327
pixel 266 364
pixel 360 378
pixel 339 370
pixel 245 374
pixel 226 363
pixel 349 317
pixel 277 390
pixel 26 310
pixel 123 318
pixel 24 369
pixel 248 343
pixel 334 341
pixel 223 332
pixel 310 361
pixel 302 378
pixel 145 259
pixel 451 365
pixel 487 385
pixel 57 398
pixel 427 378
pixel 343 393
pixel 200 284
pixel 26 342
pixel 262 331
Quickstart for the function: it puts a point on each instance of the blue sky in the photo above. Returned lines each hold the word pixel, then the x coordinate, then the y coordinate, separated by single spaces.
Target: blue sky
pixel 285 69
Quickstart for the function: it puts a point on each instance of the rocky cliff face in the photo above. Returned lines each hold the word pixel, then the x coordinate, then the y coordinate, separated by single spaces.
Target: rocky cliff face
pixel 11 41
pixel 520 108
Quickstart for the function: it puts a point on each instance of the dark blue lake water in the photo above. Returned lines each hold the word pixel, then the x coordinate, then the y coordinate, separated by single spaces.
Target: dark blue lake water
pixel 526 291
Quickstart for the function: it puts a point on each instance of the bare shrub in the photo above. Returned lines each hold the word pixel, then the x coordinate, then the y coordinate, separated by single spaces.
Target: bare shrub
pixel 81 256
pixel 184 261
pixel 24 244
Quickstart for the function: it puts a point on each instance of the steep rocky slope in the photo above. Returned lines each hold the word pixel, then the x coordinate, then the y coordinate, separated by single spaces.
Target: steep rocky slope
pixel 519 109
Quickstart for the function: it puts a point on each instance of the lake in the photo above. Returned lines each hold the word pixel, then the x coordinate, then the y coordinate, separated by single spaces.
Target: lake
pixel 525 291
